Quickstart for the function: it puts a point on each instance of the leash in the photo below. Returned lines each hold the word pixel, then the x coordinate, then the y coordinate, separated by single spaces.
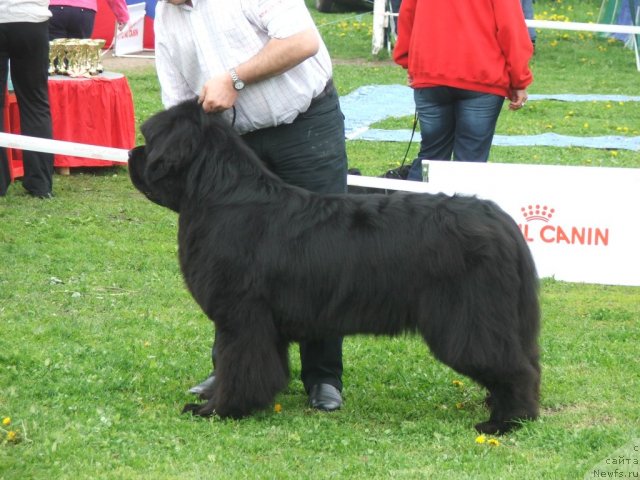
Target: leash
pixel 413 131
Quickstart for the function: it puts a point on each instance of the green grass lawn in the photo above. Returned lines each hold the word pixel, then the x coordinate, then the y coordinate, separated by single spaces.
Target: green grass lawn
pixel 100 340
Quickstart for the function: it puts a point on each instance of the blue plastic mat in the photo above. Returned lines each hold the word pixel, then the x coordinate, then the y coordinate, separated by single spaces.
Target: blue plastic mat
pixel 373 103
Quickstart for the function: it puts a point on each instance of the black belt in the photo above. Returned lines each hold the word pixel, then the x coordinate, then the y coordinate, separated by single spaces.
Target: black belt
pixel 328 88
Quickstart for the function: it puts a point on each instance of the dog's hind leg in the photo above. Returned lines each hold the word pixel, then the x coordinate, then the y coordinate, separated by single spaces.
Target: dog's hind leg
pixel 480 343
pixel 511 380
pixel 251 368
pixel 512 399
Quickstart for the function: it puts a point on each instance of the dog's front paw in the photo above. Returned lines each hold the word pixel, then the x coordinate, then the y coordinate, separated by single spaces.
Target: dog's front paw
pixel 497 427
pixel 198 409
pixel 487 428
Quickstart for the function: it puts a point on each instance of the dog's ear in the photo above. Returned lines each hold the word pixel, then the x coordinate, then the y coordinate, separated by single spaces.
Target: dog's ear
pixel 172 139
pixel 168 156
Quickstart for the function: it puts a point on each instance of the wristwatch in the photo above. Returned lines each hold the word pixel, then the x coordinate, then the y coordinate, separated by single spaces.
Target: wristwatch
pixel 237 83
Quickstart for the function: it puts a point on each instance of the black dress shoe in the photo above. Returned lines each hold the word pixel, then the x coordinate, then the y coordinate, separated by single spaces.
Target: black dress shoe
pixel 326 397
pixel 41 196
pixel 203 386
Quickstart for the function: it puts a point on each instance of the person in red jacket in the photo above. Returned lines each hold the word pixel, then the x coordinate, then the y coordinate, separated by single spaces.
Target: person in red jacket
pixel 463 59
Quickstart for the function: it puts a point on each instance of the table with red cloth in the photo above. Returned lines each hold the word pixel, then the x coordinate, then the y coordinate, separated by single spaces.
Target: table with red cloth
pixel 96 110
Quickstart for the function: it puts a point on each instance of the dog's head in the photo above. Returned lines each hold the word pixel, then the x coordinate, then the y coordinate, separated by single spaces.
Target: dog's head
pixel 181 155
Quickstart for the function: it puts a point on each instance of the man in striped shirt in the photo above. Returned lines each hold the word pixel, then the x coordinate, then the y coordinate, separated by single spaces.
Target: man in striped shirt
pixel 264 65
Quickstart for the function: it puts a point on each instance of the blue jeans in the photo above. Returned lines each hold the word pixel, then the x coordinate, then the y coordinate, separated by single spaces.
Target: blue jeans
pixel 454 122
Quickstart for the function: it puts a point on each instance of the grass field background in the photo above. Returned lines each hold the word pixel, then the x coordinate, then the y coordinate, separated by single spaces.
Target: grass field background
pixel 100 340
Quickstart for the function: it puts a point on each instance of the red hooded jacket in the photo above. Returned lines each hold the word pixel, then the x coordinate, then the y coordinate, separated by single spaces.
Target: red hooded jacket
pixel 479 45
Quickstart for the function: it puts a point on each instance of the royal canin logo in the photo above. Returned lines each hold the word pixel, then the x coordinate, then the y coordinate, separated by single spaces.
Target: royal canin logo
pixel 539 228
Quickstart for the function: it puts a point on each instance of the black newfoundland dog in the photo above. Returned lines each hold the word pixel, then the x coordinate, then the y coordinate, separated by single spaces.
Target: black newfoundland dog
pixel 271 264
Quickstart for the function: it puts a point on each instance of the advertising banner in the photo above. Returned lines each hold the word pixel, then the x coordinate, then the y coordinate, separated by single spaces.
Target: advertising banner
pixel 130 39
pixel 581 223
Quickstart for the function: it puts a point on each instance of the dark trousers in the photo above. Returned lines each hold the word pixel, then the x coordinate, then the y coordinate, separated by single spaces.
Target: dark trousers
pixel 310 153
pixel 26 45
pixel 70 22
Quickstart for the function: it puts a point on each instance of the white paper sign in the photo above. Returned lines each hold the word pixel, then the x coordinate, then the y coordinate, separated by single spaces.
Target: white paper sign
pixel 581 223
pixel 130 39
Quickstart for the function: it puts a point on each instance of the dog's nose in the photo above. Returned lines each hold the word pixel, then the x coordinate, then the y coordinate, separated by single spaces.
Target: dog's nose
pixel 136 151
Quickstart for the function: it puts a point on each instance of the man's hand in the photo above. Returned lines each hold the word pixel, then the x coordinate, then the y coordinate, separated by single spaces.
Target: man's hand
pixel 218 93
pixel 276 57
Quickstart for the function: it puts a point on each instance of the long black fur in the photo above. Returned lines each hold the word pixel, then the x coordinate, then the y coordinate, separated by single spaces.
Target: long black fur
pixel 271 263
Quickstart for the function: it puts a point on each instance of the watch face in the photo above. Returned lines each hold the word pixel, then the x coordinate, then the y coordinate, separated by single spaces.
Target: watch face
pixel 238 84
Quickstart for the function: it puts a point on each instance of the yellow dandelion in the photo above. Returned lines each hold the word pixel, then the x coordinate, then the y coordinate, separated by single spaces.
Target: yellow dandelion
pixel 12 436
pixel 586 125
pixel 614 153
pixel 458 383
pixel 493 442
pixel 554 43
pixel 480 439
pixel 277 408
pixel 6 421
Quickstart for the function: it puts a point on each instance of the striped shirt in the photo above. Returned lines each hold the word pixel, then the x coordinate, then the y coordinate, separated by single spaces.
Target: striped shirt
pixel 194 43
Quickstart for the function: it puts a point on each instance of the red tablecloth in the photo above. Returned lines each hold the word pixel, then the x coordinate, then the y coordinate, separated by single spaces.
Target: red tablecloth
pixel 96 110
pixel 12 125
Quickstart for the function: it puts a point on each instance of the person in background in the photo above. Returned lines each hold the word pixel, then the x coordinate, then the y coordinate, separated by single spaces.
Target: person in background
pixel 264 64
pixel 395 8
pixel 75 18
pixel 527 9
pixel 24 44
pixel 463 59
